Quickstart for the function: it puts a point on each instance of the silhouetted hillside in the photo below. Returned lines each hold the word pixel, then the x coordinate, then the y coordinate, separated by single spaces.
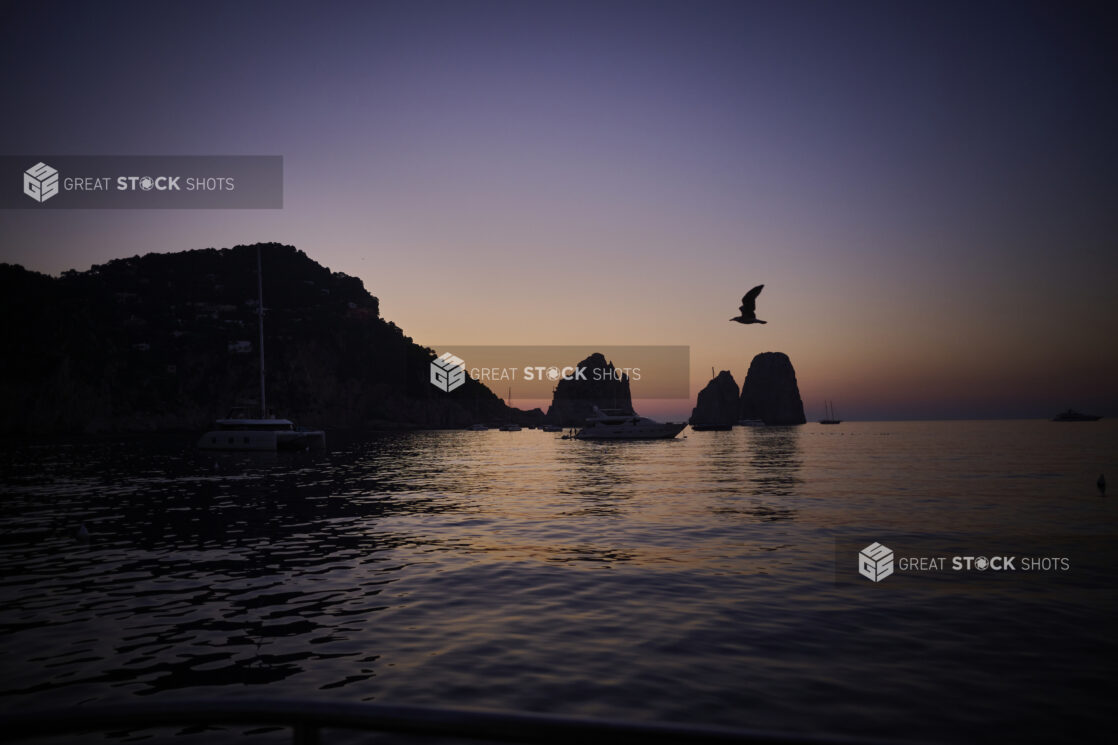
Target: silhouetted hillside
pixel 169 341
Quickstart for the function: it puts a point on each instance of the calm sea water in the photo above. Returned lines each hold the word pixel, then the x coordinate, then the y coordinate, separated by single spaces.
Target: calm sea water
pixel 691 580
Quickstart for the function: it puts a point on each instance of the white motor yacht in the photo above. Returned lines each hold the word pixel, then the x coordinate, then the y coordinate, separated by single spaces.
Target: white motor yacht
pixel 619 424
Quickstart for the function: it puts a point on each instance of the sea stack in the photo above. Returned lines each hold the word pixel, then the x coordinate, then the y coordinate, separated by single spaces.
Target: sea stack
pixel 598 385
pixel 717 404
pixel 770 392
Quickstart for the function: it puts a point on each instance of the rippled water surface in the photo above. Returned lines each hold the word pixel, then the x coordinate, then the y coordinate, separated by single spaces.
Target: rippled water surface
pixel 691 580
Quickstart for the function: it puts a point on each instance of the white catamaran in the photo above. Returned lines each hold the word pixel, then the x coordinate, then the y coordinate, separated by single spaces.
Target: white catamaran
pixel 240 432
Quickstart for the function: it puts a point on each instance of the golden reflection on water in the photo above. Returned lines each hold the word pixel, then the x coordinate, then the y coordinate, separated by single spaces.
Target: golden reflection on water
pixel 687 579
pixel 533 496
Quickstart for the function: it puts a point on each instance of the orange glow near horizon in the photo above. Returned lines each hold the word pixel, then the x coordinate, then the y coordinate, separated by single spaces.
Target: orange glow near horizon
pixel 547 177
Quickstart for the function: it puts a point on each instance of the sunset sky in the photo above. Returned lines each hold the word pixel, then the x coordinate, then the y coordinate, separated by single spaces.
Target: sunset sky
pixel 928 191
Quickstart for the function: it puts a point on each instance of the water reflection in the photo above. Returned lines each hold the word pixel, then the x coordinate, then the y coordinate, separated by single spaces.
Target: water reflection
pixel 774 460
pixel 238 569
pixel 595 475
pixel 752 471
pixel 721 454
pixel 684 579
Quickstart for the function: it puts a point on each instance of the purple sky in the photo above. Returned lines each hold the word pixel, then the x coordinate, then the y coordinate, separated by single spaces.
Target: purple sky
pixel 928 190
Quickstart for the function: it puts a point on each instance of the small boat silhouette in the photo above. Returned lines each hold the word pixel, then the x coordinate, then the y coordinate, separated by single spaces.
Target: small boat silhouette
pixel 1071 415
pixel 829 414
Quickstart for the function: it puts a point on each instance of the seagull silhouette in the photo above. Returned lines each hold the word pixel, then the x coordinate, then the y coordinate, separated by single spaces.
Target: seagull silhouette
pixel 748 307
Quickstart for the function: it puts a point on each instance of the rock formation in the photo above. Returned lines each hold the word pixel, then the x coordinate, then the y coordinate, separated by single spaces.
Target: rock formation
pixel 598 385
pixel 717 403
pixel 770 392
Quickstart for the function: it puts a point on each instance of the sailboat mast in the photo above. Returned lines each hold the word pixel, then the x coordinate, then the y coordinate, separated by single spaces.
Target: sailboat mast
pixel 260 314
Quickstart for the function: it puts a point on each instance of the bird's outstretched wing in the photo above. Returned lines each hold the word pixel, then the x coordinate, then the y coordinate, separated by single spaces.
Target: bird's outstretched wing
pixel 749 301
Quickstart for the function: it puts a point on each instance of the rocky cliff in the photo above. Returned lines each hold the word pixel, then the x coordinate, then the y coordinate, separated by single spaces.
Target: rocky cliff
pixel 770 392
pixel 599 385
pixel 169 342
pixel 717 403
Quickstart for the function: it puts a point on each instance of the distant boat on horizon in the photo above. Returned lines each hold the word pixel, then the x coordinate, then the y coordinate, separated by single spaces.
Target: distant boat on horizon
pixel 829 414
pixel 238 431
pixel 1071 415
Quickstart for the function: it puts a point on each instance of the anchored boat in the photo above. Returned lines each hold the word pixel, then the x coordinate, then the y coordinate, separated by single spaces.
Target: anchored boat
pixel 1071 415
pixel 240 432
pixel 619 424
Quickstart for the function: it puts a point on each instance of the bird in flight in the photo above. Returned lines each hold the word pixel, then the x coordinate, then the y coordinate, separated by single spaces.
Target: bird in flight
pixel 749 307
